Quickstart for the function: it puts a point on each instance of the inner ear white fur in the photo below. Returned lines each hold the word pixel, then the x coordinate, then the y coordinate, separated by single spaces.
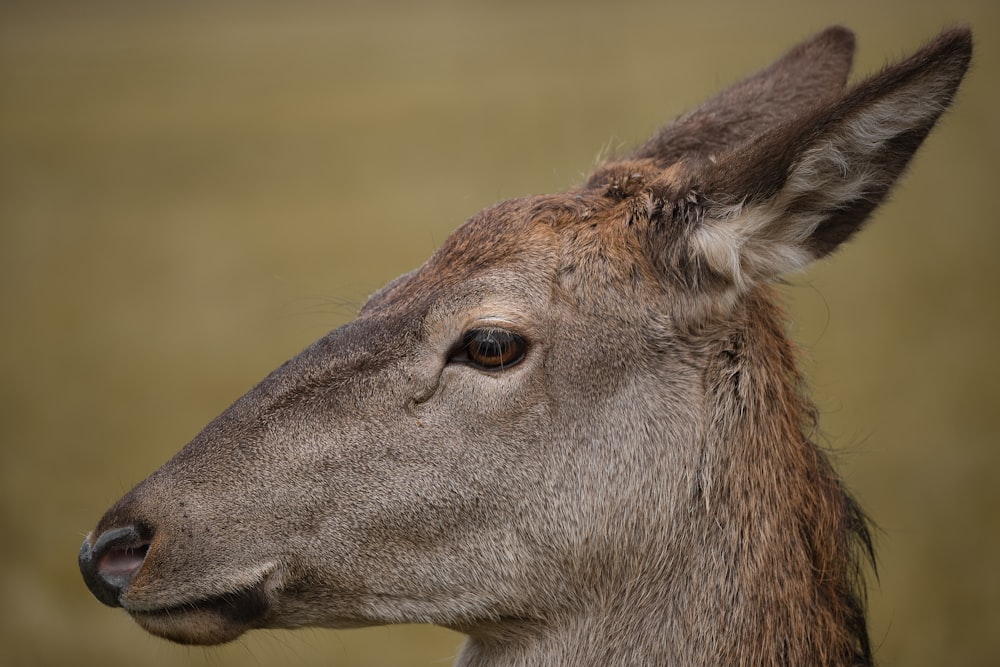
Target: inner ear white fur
pixel 745 245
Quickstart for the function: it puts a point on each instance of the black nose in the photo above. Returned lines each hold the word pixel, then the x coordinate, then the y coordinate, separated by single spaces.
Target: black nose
pixel 109 565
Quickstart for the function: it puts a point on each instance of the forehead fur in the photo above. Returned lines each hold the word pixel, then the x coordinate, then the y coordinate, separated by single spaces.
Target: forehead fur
pixel 589 245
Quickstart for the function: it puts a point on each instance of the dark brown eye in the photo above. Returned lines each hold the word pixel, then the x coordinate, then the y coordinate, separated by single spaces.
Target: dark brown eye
pixel 491 349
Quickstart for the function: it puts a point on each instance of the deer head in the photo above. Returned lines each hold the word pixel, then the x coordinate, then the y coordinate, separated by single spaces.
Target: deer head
pixel 577 433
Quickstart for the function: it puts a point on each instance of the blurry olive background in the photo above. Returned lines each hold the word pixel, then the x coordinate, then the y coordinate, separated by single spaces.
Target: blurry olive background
pixel 190 193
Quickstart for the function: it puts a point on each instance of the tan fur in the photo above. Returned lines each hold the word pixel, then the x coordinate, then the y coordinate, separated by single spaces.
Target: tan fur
pixel 635 485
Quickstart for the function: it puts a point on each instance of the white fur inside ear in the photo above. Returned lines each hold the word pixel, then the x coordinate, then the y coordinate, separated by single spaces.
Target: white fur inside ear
pixel 750 243
pixel 745 245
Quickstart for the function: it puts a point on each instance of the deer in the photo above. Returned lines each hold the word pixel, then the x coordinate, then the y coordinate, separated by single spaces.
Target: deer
pixel 578 434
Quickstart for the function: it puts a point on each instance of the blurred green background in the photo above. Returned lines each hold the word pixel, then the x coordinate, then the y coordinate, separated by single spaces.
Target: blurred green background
pixel 192 192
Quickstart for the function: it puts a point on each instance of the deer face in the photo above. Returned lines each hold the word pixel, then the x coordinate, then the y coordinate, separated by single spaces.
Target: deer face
pixel 391 470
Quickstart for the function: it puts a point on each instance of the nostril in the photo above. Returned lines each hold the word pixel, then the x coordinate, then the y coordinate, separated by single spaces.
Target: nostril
pixel 121 562
pixel 110 564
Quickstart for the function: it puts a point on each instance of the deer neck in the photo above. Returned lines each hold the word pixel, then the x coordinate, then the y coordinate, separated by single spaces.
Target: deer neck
pixel 776 578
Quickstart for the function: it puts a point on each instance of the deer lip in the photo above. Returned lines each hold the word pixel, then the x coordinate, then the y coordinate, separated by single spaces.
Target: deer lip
pixel 212 620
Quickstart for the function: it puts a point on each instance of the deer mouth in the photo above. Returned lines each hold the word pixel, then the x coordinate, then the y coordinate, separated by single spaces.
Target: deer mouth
pixel 212 620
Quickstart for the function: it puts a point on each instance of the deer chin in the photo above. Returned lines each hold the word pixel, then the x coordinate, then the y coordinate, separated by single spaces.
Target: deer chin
pixel 214 620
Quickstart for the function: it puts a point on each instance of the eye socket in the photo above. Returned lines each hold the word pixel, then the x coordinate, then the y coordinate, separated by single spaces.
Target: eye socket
pixel 490 349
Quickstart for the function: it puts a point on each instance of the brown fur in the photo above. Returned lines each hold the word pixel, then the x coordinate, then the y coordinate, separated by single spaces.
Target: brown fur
pixel 638 485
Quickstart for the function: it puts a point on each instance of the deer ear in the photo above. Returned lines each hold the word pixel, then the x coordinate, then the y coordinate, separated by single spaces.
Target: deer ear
pixel 814 70
pixel 799 190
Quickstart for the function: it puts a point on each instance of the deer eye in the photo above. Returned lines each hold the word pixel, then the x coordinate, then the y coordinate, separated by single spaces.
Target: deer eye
pixel 490 349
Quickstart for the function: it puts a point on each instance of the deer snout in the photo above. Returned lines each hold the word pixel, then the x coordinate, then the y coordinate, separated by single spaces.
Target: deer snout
pixel 109 564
